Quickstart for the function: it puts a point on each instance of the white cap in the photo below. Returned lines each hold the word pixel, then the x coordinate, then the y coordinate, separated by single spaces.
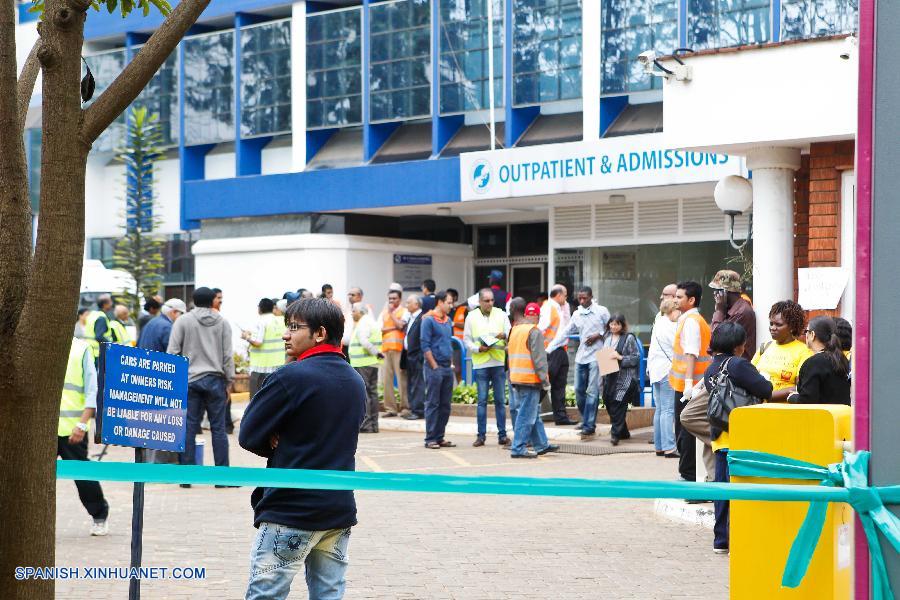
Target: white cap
pixel 395 287
pixel 281 305
pixel 176 304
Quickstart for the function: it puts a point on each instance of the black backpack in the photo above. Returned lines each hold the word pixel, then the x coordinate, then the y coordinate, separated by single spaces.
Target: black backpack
pixel 724 397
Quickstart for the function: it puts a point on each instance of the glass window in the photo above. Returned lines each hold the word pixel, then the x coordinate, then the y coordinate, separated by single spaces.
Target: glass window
pixel 400 71
pixel 334 69
pixel 464 64
pixel 528 239
pixel 33 139
pixel 817 18
pixel 724 23
pixel 547 51
pixel 266 78
pixel 628 28
pixel 209 88
pixel 105 67
pixel 491 242
pixel 160 97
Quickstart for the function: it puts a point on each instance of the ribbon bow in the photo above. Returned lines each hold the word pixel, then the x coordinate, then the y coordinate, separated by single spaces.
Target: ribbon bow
pixel 868 503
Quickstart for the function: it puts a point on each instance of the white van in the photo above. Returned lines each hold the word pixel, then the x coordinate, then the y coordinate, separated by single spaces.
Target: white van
pixel 97 280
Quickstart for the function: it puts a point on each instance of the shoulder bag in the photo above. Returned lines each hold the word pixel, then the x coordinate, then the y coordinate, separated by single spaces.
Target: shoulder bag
pixel 724 397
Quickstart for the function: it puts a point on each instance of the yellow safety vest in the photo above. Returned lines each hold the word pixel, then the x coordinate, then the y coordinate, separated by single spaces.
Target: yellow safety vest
pixel 521 366
pixel 121 333
pixel 480 325
pixel 71 405
pixel 271 353
pixel 90 336
pixel 359 356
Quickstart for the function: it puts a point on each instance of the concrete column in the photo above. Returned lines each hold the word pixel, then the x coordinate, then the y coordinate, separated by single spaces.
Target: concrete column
pixel 298 86
pixel 773 229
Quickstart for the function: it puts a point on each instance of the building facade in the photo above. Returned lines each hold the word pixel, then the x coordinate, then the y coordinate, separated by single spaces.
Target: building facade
pixel 350 142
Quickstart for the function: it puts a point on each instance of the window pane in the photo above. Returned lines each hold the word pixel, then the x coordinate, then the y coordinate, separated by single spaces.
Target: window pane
pixel 724 23
pixel 491 242
pixel 265 78
pixel 400 70
pixel 105 67
pixel 464 58
pixel 817 18
pixel 528 239
pixel 334 68
pixel 209 88
pixel 547 50
pixel 628 28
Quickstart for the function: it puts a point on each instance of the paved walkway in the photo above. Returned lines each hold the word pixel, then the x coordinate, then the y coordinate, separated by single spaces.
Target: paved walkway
pixel 420 545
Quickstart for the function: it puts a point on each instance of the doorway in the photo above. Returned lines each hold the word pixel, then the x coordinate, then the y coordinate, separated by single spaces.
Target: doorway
pixel 528 281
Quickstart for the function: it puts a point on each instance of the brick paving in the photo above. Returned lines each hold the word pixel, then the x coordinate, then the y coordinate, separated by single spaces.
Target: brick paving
pixel 419 545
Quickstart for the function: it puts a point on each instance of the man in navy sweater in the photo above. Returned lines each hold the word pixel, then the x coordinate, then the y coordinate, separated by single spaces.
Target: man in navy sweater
pixel 306 416
pixel 437 329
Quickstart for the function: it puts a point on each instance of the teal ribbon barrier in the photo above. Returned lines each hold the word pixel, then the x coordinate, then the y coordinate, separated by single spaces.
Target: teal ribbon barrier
pixel 850 475
pixel 868 501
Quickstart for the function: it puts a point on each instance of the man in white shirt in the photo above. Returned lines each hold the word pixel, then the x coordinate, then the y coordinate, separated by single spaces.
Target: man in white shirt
pixel 589 323
pixel 555 317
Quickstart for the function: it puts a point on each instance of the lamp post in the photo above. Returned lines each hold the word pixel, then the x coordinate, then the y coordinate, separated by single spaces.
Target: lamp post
pixel 734 197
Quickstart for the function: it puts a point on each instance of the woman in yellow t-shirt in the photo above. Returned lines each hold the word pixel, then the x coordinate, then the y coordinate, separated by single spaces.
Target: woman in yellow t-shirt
pixel 779 360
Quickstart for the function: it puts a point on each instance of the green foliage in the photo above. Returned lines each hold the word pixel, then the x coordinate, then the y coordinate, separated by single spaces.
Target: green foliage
pixel 140 252
pixel 468 394
pixel 125 7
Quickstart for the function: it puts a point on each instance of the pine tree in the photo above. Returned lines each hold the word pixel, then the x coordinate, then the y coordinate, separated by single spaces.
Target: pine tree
pixel 139 251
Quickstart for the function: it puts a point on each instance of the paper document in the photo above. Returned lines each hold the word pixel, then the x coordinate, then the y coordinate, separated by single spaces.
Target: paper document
pixel 606 360
pixel 489 340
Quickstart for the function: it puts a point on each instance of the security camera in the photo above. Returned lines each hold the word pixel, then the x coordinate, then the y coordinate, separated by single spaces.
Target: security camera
pixel 647 58
pixel 849 47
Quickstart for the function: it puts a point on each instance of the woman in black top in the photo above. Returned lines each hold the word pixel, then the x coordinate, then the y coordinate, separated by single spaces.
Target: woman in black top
pixel 727 346
pixel 825 376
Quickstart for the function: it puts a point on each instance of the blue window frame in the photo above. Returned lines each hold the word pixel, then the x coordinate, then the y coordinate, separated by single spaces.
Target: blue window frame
pixel 400 60
pixel 160 97
pixel 106 66
pixel 209 88
pixel 334 69
pixel 629 27
pixel 818 18
pixel 266 78
pixel 725 23
pixel 547 51
pixel 464 67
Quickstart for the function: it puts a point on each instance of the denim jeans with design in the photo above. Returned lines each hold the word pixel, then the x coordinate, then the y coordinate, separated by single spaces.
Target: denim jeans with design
pixel 494 378
pixel 528 427
pixel 279 553
pixel 664 416
pixel 587 394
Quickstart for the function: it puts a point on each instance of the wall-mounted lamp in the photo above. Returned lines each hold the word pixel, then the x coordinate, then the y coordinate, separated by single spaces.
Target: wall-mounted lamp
pixel 734 197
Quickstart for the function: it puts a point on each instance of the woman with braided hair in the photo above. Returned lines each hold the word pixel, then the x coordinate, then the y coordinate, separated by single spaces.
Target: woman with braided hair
pixel 780 360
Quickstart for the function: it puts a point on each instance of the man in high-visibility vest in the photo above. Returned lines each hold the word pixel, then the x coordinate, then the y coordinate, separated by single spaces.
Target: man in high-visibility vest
pixel 554 318
pixel 690 358
pixel 365 357
pixel 394 317
pixel 266 346
pixel 529 377
pixel 485 334
pixel 76 409
pixel 117 326
pixel 96 328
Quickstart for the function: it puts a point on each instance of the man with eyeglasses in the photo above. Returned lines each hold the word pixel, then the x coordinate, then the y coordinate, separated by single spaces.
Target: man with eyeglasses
pixel 307 415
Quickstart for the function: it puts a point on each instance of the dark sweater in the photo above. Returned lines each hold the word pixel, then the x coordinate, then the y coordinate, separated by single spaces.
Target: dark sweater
pixel 315 406
pixel 818 383
pixel 742 374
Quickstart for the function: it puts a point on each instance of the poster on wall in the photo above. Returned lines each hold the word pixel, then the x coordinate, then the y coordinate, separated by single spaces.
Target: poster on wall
pixel 410 270
pixel 621 266
pixel 821 288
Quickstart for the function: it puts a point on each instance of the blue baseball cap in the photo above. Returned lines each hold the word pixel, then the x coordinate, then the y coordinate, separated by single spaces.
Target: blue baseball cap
pixel 495 274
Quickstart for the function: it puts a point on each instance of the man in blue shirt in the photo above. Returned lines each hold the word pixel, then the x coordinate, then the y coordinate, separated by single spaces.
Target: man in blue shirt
pixel 155 334
pixel 437 330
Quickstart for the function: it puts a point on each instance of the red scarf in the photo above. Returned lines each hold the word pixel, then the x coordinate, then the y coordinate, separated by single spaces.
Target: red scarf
pixel 320 349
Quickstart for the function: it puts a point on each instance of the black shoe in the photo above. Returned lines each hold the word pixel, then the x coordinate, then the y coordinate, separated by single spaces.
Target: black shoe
pixel 226 486
pixel 526 455
pixel 412 417
pixel 566 422
pixel 614 441
pixel 673 455
pixel 229 430
pixel 548 449
pixel 184 485
pixel 505 442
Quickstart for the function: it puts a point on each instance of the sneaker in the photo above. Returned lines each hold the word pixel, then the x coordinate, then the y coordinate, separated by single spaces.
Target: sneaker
pixel 100 528
pixel 720 550
pixel 526 455
pixel 548 449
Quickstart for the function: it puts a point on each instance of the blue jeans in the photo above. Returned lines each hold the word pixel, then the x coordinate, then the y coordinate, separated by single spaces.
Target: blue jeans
pixel 664 416
pixel 587 394
pixel 491 377
pixel 528 426
pixel 280 551
pixel 206 394
pixel 438 390
pixel 722 508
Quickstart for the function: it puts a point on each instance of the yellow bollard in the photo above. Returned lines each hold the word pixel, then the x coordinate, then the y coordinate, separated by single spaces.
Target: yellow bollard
pixel 762 532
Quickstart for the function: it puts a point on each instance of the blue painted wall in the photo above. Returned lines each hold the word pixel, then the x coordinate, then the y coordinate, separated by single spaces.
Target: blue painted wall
pixel 373 186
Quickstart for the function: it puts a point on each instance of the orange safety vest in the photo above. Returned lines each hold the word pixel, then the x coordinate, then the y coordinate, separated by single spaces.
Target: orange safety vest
pixel 551 331
pixel 392 341
pixel 521 367
pixel 678 374
pixel 459 321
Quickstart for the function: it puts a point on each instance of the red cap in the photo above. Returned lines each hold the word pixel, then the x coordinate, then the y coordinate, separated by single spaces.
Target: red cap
pixel 532 309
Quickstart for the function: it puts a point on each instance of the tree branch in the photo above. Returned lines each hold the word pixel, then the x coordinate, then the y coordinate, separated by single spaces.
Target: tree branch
pixel 139 71
pixel 27 79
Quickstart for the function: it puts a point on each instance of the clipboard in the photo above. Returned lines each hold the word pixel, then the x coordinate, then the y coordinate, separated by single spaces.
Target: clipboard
pixel 607 362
